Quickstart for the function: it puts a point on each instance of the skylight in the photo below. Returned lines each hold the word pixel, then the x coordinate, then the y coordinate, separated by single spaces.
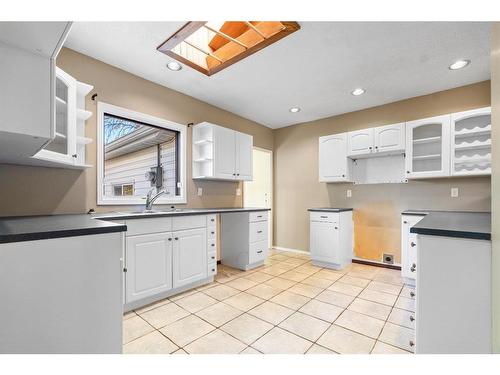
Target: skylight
pixel 210 47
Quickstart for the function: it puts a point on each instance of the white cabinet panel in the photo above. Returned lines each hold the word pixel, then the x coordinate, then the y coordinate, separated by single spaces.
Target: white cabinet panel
pixel 224 153
pixel 334 166
pixel 189 256
pixel 360 142
pixel 244 151
pixel 149 265
pixel 389 138
pixel 428 147
pixel 409 247
pixel 324 242
pixel 257 252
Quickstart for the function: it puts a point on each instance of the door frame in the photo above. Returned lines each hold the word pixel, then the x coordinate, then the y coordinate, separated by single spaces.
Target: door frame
pixel 271 197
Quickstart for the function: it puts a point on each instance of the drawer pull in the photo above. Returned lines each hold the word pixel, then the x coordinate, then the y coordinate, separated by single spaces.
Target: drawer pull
pixel 212 244
pixel 405 222
pixel 259 231
pixel 259 216
pixel 413 267
pixel 176 238
pixel 412 319
pixel 413 244
pixel 212 220
pixel 170 239
pixel 213 270
pixel 412 344
pixel 412 294
pixel 259 252
pixel 324 217
pixel 212 232
pixel 336 227
pixel 212 257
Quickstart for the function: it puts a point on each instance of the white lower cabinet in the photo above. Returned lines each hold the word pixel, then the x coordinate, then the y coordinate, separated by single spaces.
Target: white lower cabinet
pixel 149 265
pixel 331 243
pixel 409 247
pixel 189 256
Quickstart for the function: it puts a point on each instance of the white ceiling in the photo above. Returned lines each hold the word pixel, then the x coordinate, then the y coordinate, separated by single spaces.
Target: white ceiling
pixel 315 68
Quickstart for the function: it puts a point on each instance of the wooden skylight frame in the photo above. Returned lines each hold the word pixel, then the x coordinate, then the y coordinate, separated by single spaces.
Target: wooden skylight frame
pixel 224 45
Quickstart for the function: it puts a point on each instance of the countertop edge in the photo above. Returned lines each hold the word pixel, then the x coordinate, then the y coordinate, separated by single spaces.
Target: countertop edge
pixel 452 233
pixel 329 209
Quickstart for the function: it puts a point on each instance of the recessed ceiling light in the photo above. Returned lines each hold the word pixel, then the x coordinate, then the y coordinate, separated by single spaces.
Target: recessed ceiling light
pixel 175 66
pixel 459 64
pixel 294 109
pixel 358 92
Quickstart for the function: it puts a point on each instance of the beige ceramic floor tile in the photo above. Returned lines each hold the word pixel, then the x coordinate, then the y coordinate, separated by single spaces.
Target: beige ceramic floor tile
pixel 218 314
pixel 250 350
pixel 322 310
pixel 402 318
pixel 163 315
pixel 317 282
pixel 379 297
pixel 152 306
pixel 152 343
pixel 264 291
pixel 398 336
pixel 361 275
pixel 207 286
pixel 343 341
pixel 335 298
pixel 129 315
pixel 295 261
pixel 285 266
pixel 405 304
pixel 373 309
pixel 134 328
pixel 390 279
pixel 294 275
pixel 382 348
pixel 280 283
pixel 186 330
pixel 344 288
pixel 366 325
pixel 305 326
pixel 259 277
pixel 278 341
pixel 291 300
pixel 278 257
pixel 182 295
pixel 221 292
pixel 271 312
pixel 356 281
pixel 316 349
pixel 216 342
pixel 307 269
pixel 195 302
pixel 305 290
pixel 241 284
pixel 385 287
pixel 180 351
pixel 328 275
pixel 246 328
pixel 244 301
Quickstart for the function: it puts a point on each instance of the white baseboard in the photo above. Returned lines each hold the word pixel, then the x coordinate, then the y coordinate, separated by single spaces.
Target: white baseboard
pixel 290 250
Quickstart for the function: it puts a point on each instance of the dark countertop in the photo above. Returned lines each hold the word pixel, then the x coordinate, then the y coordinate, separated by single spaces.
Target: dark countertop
pixel 30 228
pixel 329 209
pixel 474 225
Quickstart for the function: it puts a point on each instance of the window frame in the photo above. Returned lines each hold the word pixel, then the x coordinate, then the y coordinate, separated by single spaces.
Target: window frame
pixel 105 108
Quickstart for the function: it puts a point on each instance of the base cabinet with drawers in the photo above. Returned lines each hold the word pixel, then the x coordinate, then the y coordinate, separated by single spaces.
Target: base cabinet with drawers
pixel 409 247
pixel 331 238
pixel 244 243
pixel 166 255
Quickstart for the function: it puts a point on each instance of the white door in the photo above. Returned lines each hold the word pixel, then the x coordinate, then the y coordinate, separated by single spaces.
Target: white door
pixel 258 192
pixel 224 153
pixel 149 265
pixel 244 146
pixel 428 147
pixel 333 158
pixel 324 242
pixel 389 138
pixel 360 142
pixel 189 256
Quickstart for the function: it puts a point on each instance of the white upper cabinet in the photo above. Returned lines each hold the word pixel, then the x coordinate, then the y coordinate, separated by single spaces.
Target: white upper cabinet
pixel 27 78
pixel 221 154
pixel 360 142
pixel 428 147
pixel 378 141
pixel 389 138
pixel 471 142
pixel 334 166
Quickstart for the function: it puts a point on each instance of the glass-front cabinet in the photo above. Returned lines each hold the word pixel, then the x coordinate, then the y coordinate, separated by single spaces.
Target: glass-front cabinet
pixel 428 147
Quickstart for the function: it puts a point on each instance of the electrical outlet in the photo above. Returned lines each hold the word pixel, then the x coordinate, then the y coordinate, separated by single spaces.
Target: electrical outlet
pixel 200 192
pixel 238 191
pixel 454 192
pixel 349 193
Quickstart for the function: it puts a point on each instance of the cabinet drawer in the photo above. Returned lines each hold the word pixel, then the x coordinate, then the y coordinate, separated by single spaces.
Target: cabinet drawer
pixel 258 231
pixel 211 233
pixel 327 217
pixel 258 216
pixel 188 222
pixel 257 251
pixel 212 257
pixel 211 220
pixel 211 245
pixel 212 269
pixel 146 226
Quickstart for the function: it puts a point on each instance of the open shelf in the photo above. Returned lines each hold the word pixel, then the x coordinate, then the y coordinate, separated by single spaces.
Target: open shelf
pixel 202 160
pixel 473 145
pixel 427 140
pixel 202 142
pixel 82 89
pixel 82 114
pixel 427 157
pixel 478 130
pixel 83 140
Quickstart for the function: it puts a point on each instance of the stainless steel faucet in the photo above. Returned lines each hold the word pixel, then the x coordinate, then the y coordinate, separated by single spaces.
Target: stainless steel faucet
pixel 150 200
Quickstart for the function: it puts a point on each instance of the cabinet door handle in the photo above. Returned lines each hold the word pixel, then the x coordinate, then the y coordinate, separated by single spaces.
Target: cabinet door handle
pixel 170 239
pixel 343 175
pixel 212 244
pixel 324 217
pixel 413 244
pixel 212 257
pixel 407 171
pixel 259 216
pixel 259 252
pixel 413 267
pixel 259 231
pixel 412 294
pixel 412 344
pixel 212 232
pixel 412 319
pixel 176 238
pixel 212 220
pixel 370 147
pixel 336 227
pixel 405 222
pixel 376 148
pixel 125 270
pixel 213 270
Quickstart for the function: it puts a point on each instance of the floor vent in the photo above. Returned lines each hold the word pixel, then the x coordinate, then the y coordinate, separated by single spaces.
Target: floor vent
pixel 388 259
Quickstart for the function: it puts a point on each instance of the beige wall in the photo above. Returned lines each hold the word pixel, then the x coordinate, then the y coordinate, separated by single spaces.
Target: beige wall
pixel 495 182
pixel 34 190
pixel 377 207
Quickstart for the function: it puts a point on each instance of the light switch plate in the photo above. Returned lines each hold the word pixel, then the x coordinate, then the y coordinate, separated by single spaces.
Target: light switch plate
pixel 200 192
pixel 238 191
pixel 349 193
pixel 454 192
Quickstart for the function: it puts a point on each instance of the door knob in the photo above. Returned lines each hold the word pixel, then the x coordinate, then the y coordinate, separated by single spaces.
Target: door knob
pixel 413 244
pixel 412 294
pixel 412 344
pixel 412 318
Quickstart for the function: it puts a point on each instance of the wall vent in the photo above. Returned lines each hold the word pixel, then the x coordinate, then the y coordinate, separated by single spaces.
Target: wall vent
pixel 388 258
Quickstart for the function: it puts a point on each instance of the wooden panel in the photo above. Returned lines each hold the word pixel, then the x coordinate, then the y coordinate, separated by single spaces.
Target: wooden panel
pixel 232 28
